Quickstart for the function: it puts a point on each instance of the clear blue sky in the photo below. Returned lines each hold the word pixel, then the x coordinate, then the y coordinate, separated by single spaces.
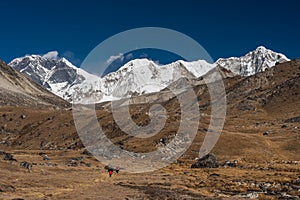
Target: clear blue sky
pixel 74 28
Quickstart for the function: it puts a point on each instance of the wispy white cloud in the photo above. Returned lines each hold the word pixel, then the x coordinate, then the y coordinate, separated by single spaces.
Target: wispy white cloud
pixel 69 55
pixel 51 55
pixel 112 58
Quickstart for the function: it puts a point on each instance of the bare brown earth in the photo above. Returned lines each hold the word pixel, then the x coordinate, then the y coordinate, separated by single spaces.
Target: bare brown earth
pixel 261 132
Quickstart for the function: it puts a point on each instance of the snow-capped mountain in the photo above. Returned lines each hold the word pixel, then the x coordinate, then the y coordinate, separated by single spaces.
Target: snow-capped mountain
pixel 143 76
pixel 57 75
pixel 140 76
pixel 253 62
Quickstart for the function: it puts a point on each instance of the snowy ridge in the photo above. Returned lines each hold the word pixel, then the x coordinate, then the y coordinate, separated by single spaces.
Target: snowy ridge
pixel 137 77
pixel 253 62
pixel 142 76
pixel 57 75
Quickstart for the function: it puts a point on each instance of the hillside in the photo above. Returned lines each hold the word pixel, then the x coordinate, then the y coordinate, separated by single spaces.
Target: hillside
pixel 271 95
pixel 261 133
pixel 17 89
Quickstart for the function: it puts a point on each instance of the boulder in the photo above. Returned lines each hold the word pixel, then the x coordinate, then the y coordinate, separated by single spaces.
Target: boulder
pixel 23 116
pixel 86 152
pixel 7 156
pixel 267 132
pixel 207 161
pixel 45 157
pixel 284 126
pixel 6 188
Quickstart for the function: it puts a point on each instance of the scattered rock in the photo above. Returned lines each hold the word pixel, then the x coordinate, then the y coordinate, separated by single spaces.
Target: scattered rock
pixel 163 140
pixel 284 126
pixel 43 143
pixel 8 142
pixel 26 165
pixel 74 162
pixel 49 164
pixel 7 156
pixel 7 188
pixel 43 172
pixel 23 116
pixel 208 161
pixel 267 133
pixel 50 118
pixel 204 129
pixel 229 163
pixel 80 158
pixel 121 144
pixel 75 145
pixel 214 175
pixel 297 181
pixel 252 195
pixel 88 164
pixel 293 120
pixel 86 152
pixel 45 157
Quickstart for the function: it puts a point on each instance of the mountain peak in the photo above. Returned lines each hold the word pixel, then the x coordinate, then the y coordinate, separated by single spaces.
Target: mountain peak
pixel 56 74
pixel 52 55
pixel 136 62
pixel 261 48
pixel 253 62
pixel 264 50
pixel 67 62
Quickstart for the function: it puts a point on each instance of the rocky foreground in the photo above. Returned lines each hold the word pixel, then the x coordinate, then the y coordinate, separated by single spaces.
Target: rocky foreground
pixel 75 175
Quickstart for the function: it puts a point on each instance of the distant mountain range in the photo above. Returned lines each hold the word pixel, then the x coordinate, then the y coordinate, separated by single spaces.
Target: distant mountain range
pixel 137 77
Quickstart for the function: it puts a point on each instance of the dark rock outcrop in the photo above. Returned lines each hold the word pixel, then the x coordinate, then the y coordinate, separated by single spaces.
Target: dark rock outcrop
pixel 208 161
pixel 293 120
pixel 7 156
pixel 86 152
pixel 7 188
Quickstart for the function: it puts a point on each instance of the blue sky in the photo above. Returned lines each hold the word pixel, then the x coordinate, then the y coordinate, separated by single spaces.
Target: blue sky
pixel 74 28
